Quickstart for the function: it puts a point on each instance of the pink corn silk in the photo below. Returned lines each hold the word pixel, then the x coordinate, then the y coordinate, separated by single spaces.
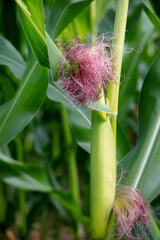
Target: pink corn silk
pixel 131 213
pixel 85 71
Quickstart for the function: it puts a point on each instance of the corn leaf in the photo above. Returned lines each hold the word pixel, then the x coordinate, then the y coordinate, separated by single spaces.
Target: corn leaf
pixel 54 57
pixel 138 39
pixel 152 16
pixel 18 112
pixel 155 5
pixel 142 163
pixel 32 177
pixel 62 13
pixel 83 23
pixel 80 118
pixel 23 175
pixel 10 57
pixel 32 20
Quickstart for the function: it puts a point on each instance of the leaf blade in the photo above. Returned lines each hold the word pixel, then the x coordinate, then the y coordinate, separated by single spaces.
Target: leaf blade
pixel 142 163
pixel 153 17
pixel 32 20
pixel 23 175
pixel 10 57
pixel 65 11
pixel 21 109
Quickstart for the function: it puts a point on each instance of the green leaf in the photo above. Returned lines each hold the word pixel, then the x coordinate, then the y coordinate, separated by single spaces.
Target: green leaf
pixel 23 175
pixel 54 57
pixel 101 108
pixel 155 232
pixel 78 26
pixel 137 39
pixel 31 15
pixel 32 20
pixel 78 117
pixel 17 113
pixel 62 13
pixel 10 57
pixel 32 177
pixel 152 16
pixel 83 23
pixel 142 163
pixel 156 5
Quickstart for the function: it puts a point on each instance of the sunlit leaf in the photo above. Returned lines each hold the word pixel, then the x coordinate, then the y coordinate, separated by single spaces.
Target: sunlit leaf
pixel 32 20
pixel 54 57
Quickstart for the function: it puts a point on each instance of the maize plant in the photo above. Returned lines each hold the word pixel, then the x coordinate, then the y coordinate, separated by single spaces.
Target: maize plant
pixel 80 119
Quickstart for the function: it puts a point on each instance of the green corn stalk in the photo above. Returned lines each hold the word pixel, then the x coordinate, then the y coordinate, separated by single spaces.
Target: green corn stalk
pixel 73 172
pixel 103 174
pixel 103 140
